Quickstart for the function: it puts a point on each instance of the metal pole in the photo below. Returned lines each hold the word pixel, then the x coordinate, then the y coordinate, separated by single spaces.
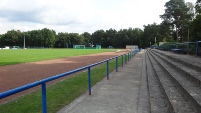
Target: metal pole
pixel 44 103
pixel 128 57
pixel 133 53
pixel 196 49
pixel 188 35
pixel 116 64
pixel 122 60
pixel 177 35
pixel 107 71
pixel 155 40
pixel 125 59
pixel 89 80
pixel 24 41
pixel 188 48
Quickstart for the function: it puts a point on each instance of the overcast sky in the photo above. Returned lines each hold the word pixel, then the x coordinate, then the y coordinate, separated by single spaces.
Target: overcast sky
pixel 79 16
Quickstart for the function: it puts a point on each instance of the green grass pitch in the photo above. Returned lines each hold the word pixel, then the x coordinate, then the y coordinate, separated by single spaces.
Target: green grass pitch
pixel 9 57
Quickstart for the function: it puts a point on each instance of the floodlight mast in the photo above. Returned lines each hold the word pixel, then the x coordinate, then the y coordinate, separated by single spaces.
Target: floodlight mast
pixel 24 41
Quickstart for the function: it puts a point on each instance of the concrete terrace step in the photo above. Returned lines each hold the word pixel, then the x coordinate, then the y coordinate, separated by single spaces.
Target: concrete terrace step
pixel 187 60
pixel 158 99
pixel 187 71
pixel 178 101
pixel 144 101
pixel 188 88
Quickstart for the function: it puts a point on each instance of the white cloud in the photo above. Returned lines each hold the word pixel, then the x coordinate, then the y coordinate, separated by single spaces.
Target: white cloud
pixel 78 15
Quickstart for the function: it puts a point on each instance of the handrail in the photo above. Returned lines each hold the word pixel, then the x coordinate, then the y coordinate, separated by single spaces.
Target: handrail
pixel 34 84
pixel 197 46
pixel 44 81
pixel 188 46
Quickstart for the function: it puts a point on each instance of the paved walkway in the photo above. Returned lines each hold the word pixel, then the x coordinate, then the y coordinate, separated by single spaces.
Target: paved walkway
pixel 120 94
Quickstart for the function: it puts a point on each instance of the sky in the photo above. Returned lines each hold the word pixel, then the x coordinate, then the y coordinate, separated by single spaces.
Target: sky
pixel 79 16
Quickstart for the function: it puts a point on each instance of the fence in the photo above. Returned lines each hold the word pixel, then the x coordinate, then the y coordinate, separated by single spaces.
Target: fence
pixel 185 47
pixel 127 57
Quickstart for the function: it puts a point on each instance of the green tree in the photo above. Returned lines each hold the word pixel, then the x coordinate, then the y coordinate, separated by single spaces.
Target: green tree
pixel 75 39
pixel 134 36
pixel 191 8
pixel 87 38
pixel 98 37
pixel 198 6
pixel 12 38
pixel 149 34
pixel 0 41
pixel 165 33
pixel 121 38
pixel 49 37
pixel 177 16
pixel 110 37
pixel 195 29
pixel 61 40
pixel 34 38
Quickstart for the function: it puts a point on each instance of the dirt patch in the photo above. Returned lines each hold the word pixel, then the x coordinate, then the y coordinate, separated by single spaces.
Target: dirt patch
pixel 13 76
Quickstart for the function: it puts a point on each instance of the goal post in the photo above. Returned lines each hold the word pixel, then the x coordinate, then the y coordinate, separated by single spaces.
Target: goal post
pixel 79 46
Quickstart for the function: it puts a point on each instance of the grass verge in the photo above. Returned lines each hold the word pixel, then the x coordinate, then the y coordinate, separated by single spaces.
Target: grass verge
pixel 59 94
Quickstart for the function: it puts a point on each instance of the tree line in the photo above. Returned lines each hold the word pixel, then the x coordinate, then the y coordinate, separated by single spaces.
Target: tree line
pixel 181 23
pixel 46 38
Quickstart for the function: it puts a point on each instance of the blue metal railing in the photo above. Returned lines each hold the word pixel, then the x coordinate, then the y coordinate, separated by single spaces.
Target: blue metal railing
pixel 44 81
pixel 197 46
pixel 174 48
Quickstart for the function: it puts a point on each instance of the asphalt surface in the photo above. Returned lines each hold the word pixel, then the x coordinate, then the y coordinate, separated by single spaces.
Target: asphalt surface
pixel 119 94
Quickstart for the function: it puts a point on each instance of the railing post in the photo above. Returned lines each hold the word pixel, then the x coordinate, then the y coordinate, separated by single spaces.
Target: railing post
pixel 107 70
pixel 122 60
pixel 196 48
pixel 134 53
pixel 89 80
pixel 44 101
pixel 128 57
pixel 188 48
pixel 125 59
pixel 116 64
pixel 131 55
